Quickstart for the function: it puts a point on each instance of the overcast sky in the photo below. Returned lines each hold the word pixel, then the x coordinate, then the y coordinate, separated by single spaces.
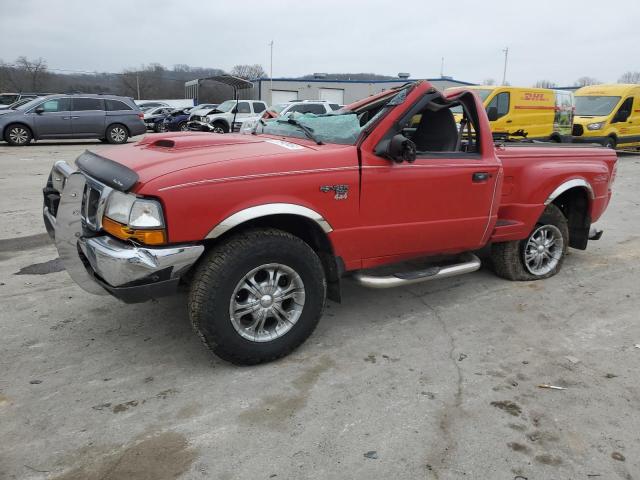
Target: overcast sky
pixel 554 40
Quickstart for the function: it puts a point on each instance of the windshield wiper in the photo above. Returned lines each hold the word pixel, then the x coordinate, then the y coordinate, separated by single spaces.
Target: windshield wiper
pixel 307 130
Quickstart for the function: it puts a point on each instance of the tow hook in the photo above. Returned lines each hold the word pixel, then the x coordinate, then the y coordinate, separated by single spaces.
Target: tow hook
pixel 595 234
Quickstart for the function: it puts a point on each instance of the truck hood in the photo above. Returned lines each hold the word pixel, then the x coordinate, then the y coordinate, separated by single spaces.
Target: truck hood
pixel 159 155
pixel 586 119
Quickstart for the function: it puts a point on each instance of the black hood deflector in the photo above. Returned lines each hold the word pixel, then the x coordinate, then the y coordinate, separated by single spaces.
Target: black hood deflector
pixel 107 171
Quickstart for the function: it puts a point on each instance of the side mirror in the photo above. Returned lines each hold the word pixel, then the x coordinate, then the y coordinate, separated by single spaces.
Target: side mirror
pixel 401 149
pixel 492 113
pixel 39 110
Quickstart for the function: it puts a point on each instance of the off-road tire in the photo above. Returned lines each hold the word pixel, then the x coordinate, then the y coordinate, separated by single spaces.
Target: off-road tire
pixel 221 270
pixel 508 257
pixel 18 135
pixel 117 134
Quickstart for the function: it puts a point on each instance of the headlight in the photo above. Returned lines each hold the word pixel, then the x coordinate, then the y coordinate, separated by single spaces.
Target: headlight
pixel 130 218
pixel 595 126
pixel 146 214
pixel 119 206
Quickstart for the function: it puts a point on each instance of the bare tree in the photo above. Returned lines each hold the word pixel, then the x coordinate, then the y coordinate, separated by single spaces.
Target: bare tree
pixel 545 84
pixel 35 71
pixel 488 81
pixel 584 81
pixel 248 71
pixel 630 77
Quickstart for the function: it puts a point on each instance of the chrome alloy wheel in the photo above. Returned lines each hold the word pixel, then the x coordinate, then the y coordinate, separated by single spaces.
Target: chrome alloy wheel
pixel 19 135
pixel 543 250
pixel 217 129
pixel 118 134
pixel 267 302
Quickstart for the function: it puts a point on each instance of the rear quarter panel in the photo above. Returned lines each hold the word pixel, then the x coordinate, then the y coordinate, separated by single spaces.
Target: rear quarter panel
pixel 531 174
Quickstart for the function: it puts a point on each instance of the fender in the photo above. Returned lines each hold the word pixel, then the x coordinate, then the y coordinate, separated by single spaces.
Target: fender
pixel 576 182
pixel 265 210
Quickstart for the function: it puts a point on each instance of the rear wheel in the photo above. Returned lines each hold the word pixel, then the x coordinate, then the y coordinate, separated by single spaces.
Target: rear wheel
pixel 117 134
pixel 257 296
pixel 18 135
pixel 538 256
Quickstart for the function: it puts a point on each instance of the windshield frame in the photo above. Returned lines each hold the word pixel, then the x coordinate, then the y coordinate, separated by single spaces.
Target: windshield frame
pixel 613 106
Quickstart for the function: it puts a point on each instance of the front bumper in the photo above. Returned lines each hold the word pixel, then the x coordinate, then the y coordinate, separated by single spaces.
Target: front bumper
pixel 99 263
pixel 198 126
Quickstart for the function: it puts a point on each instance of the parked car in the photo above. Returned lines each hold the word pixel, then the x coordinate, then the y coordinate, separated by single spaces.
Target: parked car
pixel 518 113
pixel 15 105
pixel 261 228
pixel 154 117
pixel 228 116
pixel 608 115
pixel 109 118
pixel 176 121
pixel 171 102
pixel 8 99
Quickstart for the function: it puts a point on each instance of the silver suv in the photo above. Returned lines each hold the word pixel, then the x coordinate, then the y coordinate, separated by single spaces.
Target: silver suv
pixel 109 118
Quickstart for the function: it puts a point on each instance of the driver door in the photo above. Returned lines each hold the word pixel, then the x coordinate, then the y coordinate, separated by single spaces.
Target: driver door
pixel 441 203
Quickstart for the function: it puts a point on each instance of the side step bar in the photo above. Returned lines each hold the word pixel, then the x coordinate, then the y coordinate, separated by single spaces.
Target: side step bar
pixel 470 263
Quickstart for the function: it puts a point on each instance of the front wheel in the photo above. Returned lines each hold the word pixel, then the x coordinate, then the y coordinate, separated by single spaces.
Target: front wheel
pixel 610 142
pixel 183 127
pixel 538 256
pixel 257 296
pixel 219 127
pixel 117 134
pixel 18 135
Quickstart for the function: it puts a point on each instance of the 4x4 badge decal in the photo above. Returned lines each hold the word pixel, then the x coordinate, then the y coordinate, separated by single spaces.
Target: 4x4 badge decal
pixel 341 191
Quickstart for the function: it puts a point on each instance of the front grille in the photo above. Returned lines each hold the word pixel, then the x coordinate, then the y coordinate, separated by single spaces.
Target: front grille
pixel 577 130
pixel 94 199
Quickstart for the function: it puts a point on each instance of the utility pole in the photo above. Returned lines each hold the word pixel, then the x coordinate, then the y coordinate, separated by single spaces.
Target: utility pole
pixel 504 73
pixel 138 85
pixel 271 67
pixel 442 68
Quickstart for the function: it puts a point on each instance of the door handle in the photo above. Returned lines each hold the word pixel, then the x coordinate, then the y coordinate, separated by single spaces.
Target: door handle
pixel 74 117
pixel 509 121
pixel 478 177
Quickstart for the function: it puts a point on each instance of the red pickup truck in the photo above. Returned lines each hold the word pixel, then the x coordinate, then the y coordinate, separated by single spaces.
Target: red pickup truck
pixel 262 227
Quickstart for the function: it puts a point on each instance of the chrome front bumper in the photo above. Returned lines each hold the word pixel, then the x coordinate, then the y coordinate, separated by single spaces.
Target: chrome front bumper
pixel 99 263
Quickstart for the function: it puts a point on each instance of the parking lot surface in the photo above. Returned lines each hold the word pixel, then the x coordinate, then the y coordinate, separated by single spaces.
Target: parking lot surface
pixel 436 381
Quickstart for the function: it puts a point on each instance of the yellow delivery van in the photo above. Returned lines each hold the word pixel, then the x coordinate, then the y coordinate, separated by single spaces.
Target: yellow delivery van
pixel 608 115
pixel 528 113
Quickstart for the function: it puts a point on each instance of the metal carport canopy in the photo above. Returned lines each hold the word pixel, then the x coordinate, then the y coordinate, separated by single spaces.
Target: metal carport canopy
pixel 236 83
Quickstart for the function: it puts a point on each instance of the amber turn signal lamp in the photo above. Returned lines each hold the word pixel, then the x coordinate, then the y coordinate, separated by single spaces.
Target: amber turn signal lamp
pixel 124 232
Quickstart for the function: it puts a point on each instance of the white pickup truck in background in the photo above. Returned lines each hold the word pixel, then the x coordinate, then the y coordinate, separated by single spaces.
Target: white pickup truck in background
pixel 228 116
